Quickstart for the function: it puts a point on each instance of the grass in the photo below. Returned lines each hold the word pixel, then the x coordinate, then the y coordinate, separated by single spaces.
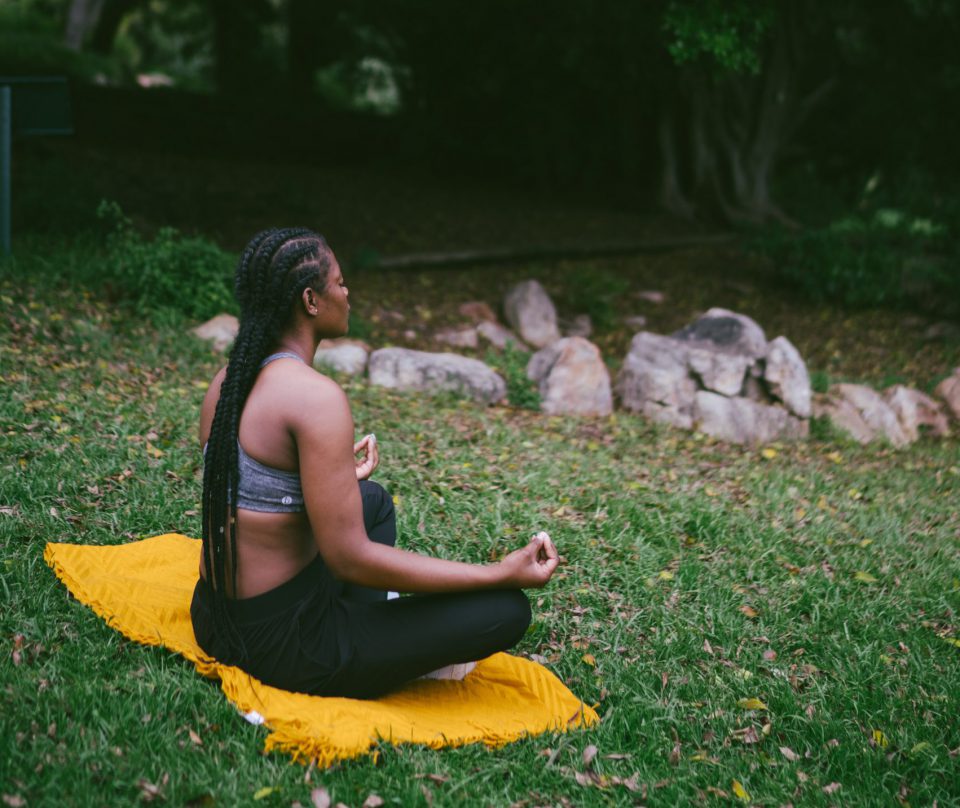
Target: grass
pixel 821 578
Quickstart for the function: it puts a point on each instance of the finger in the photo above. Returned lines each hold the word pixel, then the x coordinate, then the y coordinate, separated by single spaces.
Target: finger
pixel 360 444
pixel 551 548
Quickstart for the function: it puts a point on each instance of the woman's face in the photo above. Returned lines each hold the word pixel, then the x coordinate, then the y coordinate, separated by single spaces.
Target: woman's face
pixel 337 308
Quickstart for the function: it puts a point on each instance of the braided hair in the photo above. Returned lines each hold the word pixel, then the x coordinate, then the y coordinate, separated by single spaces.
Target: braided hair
pixel 274 269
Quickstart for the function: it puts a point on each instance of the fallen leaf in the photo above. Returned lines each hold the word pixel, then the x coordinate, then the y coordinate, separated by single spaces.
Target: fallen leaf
pixel 707 647
pixel 590 659
pixel 195 738
pixel 718 792
pixel 830 788
pixel 320 798
pixel 917 748
pixel 880 739
pixel 589 754
pixel 770 655
pixel 665 575
pixel 739 791
pixel 864 577
pixel 789 754
pixel 749 611
pixel 952 640
pixel 14 800
pixel 768 453
pixel 751 704
pixel 373 801
pixel 675 755
pixel 263 793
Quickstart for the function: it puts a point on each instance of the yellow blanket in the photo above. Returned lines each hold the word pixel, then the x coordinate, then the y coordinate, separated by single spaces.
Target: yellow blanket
pixel 143 590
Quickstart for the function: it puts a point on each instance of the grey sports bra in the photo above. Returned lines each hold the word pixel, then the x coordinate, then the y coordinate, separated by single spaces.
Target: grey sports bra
pixel 265 488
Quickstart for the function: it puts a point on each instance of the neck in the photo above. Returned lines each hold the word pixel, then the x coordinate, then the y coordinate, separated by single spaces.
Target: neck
pixel 302 344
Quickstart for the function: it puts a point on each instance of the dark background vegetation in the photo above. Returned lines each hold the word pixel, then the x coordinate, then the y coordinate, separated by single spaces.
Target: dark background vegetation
pixel 821 133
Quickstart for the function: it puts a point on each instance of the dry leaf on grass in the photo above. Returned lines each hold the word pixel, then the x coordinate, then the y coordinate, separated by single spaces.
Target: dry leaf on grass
pixel 320 798
pixel 789 754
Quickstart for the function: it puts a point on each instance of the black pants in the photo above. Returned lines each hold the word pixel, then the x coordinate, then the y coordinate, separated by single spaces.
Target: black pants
pixel 315 634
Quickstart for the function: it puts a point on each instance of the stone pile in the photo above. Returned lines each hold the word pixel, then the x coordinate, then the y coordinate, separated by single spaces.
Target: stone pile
pixel 719 375
pixel 898 415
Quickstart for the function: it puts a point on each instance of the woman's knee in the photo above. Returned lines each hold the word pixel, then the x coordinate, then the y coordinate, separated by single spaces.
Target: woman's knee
pixel 515 613
pixel 378 512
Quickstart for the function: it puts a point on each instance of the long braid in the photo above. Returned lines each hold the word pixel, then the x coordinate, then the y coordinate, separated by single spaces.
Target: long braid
pixel 273 270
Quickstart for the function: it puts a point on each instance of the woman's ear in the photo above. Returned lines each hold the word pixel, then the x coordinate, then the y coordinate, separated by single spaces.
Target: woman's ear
pixel 311 304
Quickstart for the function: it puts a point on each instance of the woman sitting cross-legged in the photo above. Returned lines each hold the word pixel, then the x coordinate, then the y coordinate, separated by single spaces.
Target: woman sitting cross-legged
pixel 297 556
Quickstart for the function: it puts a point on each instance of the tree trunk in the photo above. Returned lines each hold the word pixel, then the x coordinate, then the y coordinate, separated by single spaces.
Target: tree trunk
pixel 236 37
pixel 81 18
pixel 738 127
pixel 111 15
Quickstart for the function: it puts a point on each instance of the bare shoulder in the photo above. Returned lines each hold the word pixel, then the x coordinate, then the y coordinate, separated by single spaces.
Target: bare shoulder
pixel 317 402
pixel 209 406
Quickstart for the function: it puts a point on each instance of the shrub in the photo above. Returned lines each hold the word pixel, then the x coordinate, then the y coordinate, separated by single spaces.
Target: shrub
pixel 884 257
pixel 170 274
pixel 511 363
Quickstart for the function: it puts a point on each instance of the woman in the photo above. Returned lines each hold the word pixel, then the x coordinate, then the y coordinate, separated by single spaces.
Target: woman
pixel 297 557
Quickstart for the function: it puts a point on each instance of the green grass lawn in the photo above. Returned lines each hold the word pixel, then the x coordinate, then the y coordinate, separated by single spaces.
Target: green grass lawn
pixel 768 625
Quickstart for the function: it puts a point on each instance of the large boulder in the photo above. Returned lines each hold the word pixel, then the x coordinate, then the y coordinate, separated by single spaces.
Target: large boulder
pixel 404 369
pixel 347 356
pixel 861 412
pixel 786 376
pixel 740 420
pixel 654 380
pixel 722 346
pixel 949 391
pixel 916 411
pixel 221 331
pixel 573 378
pixel 531 313
pixel 726 355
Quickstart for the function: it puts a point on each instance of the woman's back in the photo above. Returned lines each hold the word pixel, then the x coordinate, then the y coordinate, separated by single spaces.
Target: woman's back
pixel 272 545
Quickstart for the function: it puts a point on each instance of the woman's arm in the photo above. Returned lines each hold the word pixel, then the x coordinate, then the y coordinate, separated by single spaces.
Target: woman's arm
pixel 323 429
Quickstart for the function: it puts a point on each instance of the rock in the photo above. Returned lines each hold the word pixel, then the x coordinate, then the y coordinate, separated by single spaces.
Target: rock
pixel 915 410
pixel 722 345
pixel 404 369
pixel 739 420
pixel 573 378
pixel 727 332
pixel 531 313
pixel 652 296
pixel 787 378
pixel 719 372
pixel 498 336
pixel 949 391
pixel 862 412
pixel 458 337
pixel 579 326
pixel 655 382
pixel 844 416
pixel 221 331
pixel 635 322
pixel 477 312
pixel 342 355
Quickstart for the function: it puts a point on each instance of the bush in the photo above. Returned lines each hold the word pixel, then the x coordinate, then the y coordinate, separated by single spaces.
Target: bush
pixel 511 363
pixel 886 256
pixel 170 274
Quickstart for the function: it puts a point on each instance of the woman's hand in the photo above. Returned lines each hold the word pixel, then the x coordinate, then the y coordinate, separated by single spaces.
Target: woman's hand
pixel 533 565
pixel 367 464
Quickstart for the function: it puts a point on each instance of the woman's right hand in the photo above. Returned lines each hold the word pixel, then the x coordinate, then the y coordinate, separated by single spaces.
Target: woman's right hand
pixel 531 566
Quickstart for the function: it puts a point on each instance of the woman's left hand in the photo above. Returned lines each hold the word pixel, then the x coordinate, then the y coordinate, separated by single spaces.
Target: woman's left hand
pixel 371 456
